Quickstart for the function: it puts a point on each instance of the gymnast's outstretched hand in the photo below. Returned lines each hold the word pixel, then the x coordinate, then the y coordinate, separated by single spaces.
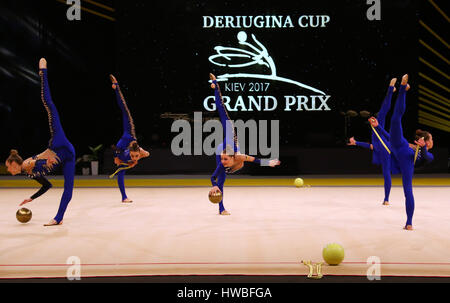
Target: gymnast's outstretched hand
pixel 420 142
pixel 373 121
pixel 213 190
pixel 117 161
pixel 26 201
pixel 132 164
pixel 274 162
pixel 351 141
pixel 52 161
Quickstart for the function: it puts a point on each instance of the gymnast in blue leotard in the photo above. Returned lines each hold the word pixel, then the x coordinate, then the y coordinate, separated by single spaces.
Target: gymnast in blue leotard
pixel 381 155
pixel 128 152
pixel 228 157
pixel 60 152
pixel 407 155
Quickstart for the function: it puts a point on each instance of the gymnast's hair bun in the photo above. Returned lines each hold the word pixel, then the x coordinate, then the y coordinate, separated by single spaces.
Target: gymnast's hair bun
pixel 14 157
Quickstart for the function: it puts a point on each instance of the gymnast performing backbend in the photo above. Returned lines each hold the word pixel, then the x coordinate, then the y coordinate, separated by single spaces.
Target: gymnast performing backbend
pixel 228 158
pixel 59 152
pixel 380 154
pixel 407 155
pixel 128 152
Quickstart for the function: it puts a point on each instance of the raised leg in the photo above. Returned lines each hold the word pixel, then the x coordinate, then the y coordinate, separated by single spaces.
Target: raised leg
pixel 127 120
pixel 402 152
pixel 230 137
pixel 386 105
pixel 56 131
pixel 396 131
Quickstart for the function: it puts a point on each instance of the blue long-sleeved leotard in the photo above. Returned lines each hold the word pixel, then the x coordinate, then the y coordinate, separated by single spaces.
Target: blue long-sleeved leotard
pixel 59 144
pixel 230 140
pixel 129 135
pixel 404 153
pixel 380 156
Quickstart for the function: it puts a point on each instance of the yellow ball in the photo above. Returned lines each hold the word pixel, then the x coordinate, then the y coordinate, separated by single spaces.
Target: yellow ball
pixel 215 197
pixel 333 254
pixel 23 215
pixel 298 182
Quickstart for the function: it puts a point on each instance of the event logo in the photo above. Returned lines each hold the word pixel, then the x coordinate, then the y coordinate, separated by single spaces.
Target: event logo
pixel 257 56
pixel 252 62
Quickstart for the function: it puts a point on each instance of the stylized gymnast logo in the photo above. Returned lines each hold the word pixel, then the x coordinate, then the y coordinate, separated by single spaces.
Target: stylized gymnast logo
pixel 259 55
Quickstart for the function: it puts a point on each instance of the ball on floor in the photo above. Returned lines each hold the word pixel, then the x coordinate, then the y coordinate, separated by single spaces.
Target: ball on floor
pixel 333 254
pixel 24 215
pixel 298 182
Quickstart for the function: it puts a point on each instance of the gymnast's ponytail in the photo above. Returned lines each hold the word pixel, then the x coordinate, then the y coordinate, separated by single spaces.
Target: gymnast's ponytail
pixel 14 157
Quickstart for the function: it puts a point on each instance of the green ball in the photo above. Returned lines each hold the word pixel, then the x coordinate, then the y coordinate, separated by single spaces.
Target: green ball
pixel 298 182
pixel 333 254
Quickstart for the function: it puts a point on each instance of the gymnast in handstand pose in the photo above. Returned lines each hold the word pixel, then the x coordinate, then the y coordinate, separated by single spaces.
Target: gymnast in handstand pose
pixel 406 154
pixel 59 152
pixel 228 157
pixel 128 152
pixel 381 148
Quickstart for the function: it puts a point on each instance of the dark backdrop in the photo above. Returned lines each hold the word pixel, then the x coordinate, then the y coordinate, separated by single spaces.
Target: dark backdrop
pixel 159 53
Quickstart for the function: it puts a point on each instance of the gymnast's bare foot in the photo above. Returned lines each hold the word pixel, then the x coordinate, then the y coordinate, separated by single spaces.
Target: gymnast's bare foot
pixel 408 227
pixel 113 80
pixel 53 222
pixel 405 81
pixel 42 63
pixel 392 83
pixel 212 77
pixel 225 213
pixel 127 201
pixel 386 203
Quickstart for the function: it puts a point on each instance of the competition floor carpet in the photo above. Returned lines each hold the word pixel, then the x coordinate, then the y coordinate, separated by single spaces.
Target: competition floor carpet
pixel 172 229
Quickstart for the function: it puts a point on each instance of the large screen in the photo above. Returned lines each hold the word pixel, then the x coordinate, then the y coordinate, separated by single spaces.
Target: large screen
pixel 304 64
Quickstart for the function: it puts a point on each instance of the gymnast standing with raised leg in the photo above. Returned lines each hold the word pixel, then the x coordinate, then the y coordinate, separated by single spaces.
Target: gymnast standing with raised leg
pixel 60 152
pixel 381 148
pixel 128 152
pixel 406 154
pixel 228 157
